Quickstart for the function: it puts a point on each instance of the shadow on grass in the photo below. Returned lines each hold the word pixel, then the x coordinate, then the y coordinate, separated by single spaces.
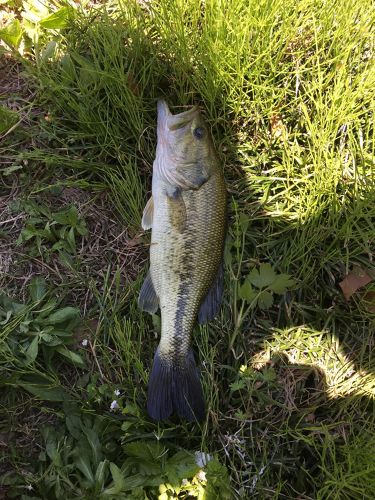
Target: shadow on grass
pixel 302 406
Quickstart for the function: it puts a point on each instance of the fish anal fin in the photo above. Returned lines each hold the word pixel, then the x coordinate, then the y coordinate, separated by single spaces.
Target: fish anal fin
pixel 211 303
pixel 148 300
pixel 148 214
pixel 175 389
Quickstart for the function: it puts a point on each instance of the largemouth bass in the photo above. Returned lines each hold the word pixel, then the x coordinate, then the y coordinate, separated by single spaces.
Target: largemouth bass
pixel 187 214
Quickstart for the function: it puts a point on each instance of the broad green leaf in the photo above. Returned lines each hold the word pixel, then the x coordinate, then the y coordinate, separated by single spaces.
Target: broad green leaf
pixel 25 326
pixel 65 334
pixel 246 292
pixel 243 221
pixel 37 288
pixel 265 300
pixel 84 62
pixel 49 50
pixel 81 228
pixel 46 337
pixel 57 20
pixel 66 259
pixel 68 68
pixel 51 448
pixel 82 462
pixel 95 445
pixel 281 283
pixel 71 240
pixel 73 423
pixel 67 217
pixel 12 34
pixel 32 350
pixel 118 479
pixel 45 310
pixel 71 356
pixel 61 245
pixel 88 76
pixel 62 315
pixel 131 483
pixel 44 392
pixel 51 341
pixel 101 473
pixel 53 452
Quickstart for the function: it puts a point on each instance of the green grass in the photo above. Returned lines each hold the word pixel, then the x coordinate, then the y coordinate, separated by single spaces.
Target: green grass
pixel 287 90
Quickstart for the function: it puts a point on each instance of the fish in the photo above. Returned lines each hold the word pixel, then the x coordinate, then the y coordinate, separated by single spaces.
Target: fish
pixel 187 216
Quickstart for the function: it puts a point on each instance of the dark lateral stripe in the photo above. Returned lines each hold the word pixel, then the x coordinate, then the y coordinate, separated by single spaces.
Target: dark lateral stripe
pixel 184 290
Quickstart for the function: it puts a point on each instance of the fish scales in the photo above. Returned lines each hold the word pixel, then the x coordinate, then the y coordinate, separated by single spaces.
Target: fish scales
pixel 183 265
pixel 188 231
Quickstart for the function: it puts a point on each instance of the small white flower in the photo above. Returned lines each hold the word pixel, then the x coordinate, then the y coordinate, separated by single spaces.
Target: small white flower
pixel 29 487
pixel 114 405
pixel 84 342
pixel 117 392
pixel 201 459
pixel 184 482
pixel 201 476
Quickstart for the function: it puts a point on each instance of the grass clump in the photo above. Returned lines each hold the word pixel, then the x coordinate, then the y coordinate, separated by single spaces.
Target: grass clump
pixel 288 366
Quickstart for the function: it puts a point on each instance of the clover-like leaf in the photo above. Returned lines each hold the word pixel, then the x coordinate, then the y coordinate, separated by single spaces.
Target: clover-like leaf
pixel 281 284
pixel 238 385
pixel 265 300
pixel 266 275
pixel 246 291
pixel 254 278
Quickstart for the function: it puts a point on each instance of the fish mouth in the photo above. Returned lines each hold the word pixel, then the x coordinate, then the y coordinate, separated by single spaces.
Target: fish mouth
pixel 174 122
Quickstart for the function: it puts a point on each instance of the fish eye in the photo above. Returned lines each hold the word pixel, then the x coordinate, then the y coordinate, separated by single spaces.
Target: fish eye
pixel 198 132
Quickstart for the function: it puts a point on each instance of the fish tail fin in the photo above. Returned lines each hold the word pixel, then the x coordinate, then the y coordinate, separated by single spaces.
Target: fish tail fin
pixel 173 388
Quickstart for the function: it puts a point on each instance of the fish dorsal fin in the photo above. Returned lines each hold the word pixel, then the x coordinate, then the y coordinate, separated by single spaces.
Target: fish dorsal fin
pixel 211 303
pixel 148 214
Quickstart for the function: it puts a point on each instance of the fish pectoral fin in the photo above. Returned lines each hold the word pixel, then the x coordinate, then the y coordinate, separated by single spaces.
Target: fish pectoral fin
pixel 148 300
pixel 148 214
pixel 190 176
pixel 177 210
pixel 211 303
